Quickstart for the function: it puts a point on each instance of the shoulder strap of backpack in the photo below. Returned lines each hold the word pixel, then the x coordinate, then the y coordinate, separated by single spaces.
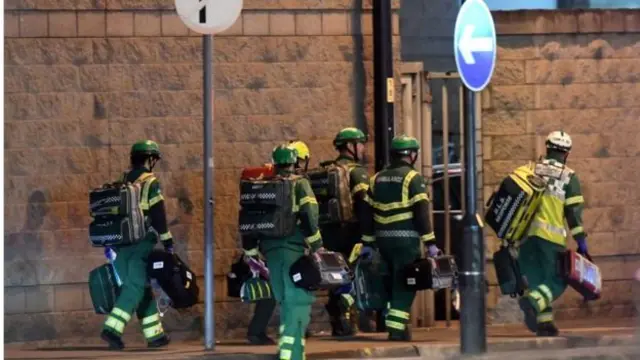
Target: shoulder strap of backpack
pixel 147 179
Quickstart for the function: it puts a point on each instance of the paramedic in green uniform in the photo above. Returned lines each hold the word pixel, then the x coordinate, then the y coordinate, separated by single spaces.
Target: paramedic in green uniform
pixel 341 238
pixel 538 253
pixel 131 260
pixel 281 253
pixel 257 332
pixel 398 196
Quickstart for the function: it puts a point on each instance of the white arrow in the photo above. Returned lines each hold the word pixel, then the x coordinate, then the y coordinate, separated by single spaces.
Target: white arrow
pixel 468 44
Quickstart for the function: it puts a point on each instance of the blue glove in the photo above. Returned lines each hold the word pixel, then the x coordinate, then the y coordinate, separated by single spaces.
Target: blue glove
pixel 366 252
pixel 582 245
pixel 433 250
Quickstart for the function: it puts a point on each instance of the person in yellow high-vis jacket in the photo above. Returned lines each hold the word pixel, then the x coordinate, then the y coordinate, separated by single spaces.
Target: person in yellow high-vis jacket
pixel 131 260
pixel 538 253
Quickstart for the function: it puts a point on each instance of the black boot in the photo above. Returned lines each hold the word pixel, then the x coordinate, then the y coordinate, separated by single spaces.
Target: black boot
pixel 114 341
pixel 262 339
pixel 162 341
pixel 547 329
pixel 380 319
pixel 530 315
pixel 400 335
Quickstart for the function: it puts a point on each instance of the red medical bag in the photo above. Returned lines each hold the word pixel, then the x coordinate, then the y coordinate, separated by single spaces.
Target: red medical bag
pixel 581 274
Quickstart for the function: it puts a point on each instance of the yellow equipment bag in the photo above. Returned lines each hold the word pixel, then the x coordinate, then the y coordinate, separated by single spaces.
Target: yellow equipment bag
pixel 511 208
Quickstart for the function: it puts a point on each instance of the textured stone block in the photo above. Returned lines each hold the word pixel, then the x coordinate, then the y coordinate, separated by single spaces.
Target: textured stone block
pixel 70 297
pixel 172 25
pixel 516 97
pixel 63 24
pixel 335 24
pixel 119 23
pixel 34 24
pixel 92 24
pixel 509 73
pixel 308 24
pixel 147 23
pixel 11 24
pixel 255 23
pixel 39 299
pixel 20 79
pixel 281 23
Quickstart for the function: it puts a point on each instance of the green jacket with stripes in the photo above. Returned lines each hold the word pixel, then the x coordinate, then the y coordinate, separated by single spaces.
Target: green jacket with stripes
pixel 400 203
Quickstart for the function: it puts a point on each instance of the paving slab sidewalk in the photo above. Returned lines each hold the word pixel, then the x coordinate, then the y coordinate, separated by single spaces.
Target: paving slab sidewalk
pixel 435 343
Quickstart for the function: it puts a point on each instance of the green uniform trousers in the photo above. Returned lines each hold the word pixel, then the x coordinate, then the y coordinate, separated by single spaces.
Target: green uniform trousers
pixel 538 259
pixel 401 297
pixel 135 293
pixel 261 316
pixel 295 303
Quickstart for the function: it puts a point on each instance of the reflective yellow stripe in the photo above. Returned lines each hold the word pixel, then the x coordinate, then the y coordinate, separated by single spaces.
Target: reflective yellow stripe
pixel 115 324
pixel 546 291
pixel 577 230
pixel 543 318
pixel 307 200
pixel 268 291
pixel 393 218
pixel 574 200
pixel 253 292
pixel 144 203
pixel 394 325
pixel 360 187
pixel 405 202
pixel 121 314
pixel 290 340
pixel 428 237
pixel 349 299
pixel 313 238
pixel 153 331
pixel 372 182
pixel 368 238
pixel 285 354
pixel 367 199
pixel 155 200
pixel 252 252
pixel 540 301
pixel 150 319
pixel 166 236
pixel 399 314
pixel 405 185
pixel 303 342
pixel 281 329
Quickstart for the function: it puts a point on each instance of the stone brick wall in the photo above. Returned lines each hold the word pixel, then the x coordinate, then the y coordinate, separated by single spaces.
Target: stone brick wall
pixel 577 71
pixel 85 79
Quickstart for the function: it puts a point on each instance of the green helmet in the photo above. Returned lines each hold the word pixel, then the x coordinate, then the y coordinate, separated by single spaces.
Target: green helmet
pixel 284 155
pixel 348 135
pixel 404 144
pixel 146 147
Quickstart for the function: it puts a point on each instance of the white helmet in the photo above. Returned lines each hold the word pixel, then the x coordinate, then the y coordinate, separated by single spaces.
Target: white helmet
pixel 559 140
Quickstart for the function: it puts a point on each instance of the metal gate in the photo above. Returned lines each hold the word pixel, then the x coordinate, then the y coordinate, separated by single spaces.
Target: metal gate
pixel 427 111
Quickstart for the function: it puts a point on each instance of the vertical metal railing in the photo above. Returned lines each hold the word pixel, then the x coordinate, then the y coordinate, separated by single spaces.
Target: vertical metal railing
pixel 417 116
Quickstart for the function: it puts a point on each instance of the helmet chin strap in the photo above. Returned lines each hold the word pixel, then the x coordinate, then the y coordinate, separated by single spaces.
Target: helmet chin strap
pixel 152 163
pixel 353 151
pixel 414 157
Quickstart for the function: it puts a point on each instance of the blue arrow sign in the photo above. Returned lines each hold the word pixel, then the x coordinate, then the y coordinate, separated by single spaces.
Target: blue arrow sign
pixel 474 44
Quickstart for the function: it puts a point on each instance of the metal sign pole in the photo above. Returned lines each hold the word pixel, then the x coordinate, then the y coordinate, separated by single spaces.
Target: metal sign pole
pixel 473 339
pixel 474 46
pixel 209 255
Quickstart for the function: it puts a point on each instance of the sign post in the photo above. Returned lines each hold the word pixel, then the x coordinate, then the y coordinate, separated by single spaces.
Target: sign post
pixel 208 17
pixel 474 47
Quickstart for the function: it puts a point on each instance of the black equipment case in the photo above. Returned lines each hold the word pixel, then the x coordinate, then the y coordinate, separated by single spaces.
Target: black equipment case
pixel 436 273
pixel 174 277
